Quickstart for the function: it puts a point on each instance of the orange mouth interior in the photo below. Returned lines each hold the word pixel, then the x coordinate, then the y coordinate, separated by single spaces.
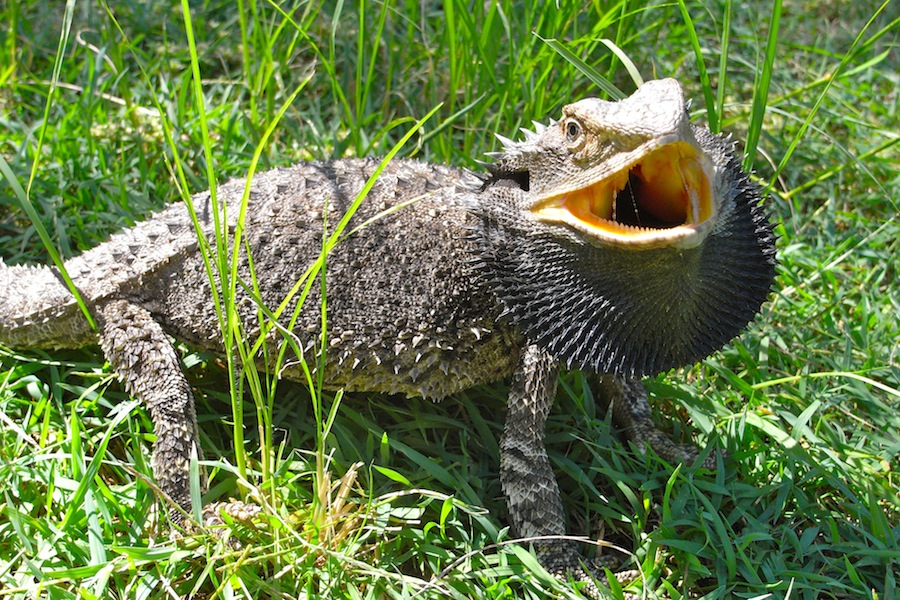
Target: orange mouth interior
pixel 668 188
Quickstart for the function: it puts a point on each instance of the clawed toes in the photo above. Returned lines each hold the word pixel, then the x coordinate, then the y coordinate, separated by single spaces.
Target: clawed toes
pixel 563 561
pixel 240 512
pixel 604 567
pixel 595 574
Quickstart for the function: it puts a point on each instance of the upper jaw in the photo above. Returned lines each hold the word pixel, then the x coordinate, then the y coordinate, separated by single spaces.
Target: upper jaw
pixel 661 194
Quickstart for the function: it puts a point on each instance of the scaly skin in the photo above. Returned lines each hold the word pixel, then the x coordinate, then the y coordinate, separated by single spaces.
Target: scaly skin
pixel 621 240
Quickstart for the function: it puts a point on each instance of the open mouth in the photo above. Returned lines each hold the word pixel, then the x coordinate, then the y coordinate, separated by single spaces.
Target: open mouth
pixel 661 199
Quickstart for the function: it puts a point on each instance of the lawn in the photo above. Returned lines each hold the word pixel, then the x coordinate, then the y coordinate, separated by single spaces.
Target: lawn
pixel 110 111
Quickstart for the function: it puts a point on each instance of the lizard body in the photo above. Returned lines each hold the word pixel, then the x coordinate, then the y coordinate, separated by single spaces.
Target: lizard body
pixel 436 336
pixel 621 240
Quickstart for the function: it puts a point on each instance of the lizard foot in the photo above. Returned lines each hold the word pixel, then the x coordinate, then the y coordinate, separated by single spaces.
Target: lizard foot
pixel 240 512
pixel 676 453
pixel 631 412
pixel 562 559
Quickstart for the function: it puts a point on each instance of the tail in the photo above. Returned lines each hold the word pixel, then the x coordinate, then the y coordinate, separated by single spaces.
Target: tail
pixel 37 310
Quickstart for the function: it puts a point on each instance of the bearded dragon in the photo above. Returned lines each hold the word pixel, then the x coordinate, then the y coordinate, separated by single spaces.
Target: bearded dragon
pixel 620 239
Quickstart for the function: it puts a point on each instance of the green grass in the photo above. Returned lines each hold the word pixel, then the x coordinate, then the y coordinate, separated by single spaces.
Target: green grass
pixel 399 498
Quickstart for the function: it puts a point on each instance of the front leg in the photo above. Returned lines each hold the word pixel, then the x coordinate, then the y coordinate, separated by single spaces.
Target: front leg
pixel 532 494
pixel 627 399
pixel 146 362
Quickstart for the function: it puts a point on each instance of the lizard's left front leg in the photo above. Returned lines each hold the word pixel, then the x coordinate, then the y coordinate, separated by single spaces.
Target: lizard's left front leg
pixel 532 494
pixel 627 398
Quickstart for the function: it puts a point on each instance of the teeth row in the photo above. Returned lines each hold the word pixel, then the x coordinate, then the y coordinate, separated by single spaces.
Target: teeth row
pixel 635 228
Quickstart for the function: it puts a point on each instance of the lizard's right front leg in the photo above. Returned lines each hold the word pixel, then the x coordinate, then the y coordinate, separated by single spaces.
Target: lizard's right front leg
pixel 532 494
pixel 146 362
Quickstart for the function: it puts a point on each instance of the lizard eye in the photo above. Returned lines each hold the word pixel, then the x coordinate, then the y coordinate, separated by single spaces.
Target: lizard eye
pixel 573 131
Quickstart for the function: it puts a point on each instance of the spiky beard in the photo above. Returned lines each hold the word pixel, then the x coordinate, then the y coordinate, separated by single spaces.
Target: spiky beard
pixel 630 311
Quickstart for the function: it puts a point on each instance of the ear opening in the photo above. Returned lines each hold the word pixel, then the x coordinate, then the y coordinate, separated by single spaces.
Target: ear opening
pixel 518 179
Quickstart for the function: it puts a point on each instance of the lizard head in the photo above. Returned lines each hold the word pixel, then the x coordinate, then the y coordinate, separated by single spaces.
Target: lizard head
pixel 626 173
pixel 623 239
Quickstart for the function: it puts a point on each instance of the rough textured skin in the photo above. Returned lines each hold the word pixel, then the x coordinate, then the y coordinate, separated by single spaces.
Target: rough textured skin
pixel 406 312
pixel 455 280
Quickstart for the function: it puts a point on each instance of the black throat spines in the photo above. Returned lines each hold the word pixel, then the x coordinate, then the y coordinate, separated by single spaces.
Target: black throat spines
pixel 626 311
